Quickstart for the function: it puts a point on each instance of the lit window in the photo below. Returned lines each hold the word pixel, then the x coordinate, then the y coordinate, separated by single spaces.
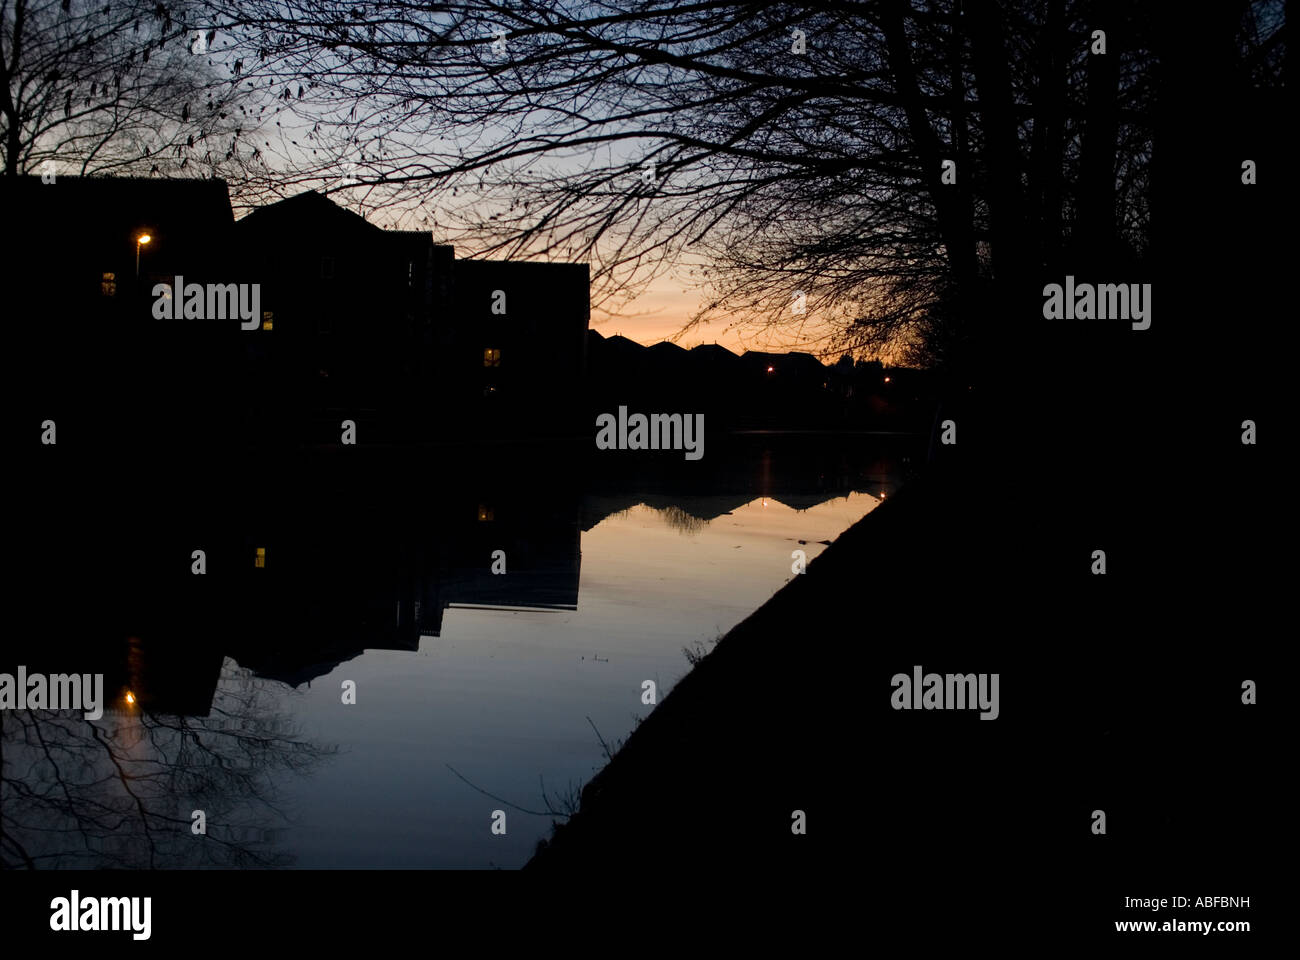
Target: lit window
pixel 491 357
pixel 485 513
pixel 108 285
pixel 260 559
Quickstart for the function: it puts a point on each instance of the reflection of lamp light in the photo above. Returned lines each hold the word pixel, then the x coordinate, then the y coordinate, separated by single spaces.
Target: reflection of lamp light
pixel 139 241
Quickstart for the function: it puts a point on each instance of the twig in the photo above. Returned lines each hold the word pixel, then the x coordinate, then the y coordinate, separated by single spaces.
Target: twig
pixel 514 806
pixel 603 745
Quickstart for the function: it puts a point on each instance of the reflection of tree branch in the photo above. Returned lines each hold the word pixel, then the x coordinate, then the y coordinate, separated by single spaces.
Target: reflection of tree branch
pixel 111 785
pixel 681 521
pixel 62 783
pixel 122 775
pixel 569 801
pixel 550 810
pixel 7 842
pixel 609 754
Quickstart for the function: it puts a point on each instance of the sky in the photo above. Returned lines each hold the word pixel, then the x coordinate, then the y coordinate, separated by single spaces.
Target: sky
pixel 659 313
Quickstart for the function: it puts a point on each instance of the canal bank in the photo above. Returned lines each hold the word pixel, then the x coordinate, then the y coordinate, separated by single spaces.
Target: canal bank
pixel 1092 603
pixel 769 724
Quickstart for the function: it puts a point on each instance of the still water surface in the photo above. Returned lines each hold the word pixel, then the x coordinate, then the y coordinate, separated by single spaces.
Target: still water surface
pixel 503 696
pixel 467 684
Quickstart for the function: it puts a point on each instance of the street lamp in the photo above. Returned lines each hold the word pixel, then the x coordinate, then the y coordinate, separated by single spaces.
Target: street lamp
pixel 139 241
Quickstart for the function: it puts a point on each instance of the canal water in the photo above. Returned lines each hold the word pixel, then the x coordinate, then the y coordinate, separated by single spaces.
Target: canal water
pixel 356 697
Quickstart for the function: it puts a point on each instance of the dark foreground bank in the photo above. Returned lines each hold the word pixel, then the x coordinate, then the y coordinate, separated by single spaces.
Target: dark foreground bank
pixel 1117 692
pixel 766 725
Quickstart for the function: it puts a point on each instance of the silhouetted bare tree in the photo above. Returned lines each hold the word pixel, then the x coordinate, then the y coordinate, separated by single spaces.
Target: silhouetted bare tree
pixel 118 86
pixel 796 148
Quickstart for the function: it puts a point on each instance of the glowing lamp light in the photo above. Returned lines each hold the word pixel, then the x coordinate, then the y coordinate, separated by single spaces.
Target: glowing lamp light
pixel 139 242
pixel 771 369
pixel 130 697
pixel 886 379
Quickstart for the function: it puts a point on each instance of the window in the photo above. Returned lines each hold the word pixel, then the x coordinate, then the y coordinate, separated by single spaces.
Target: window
pixel 491 357
pixel 327 268
pixel 108 285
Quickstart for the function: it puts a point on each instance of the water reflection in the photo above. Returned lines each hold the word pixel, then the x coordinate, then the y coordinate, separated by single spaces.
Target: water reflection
pixel 314 575
pixel 120 792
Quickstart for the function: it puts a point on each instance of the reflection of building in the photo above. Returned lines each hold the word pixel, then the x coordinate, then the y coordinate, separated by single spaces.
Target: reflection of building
pixel 310 560
pixel 166 677
pixel 331 584
pixel 381 579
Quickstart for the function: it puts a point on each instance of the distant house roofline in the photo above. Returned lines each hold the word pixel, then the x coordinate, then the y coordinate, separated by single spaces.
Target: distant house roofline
pixel 307 199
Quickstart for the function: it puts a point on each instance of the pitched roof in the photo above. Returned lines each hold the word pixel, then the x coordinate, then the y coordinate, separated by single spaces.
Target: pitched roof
pixel 666 349
pixel 712 353
pixel 307 205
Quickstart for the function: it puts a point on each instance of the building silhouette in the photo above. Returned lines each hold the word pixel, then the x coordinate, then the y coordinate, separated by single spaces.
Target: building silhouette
pixel 390 330
pixel 381 327
pixel 94 358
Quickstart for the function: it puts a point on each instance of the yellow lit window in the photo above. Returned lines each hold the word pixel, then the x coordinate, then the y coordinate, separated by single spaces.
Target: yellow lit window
pixel 108 285
pixel 261 557
pixel 491 357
